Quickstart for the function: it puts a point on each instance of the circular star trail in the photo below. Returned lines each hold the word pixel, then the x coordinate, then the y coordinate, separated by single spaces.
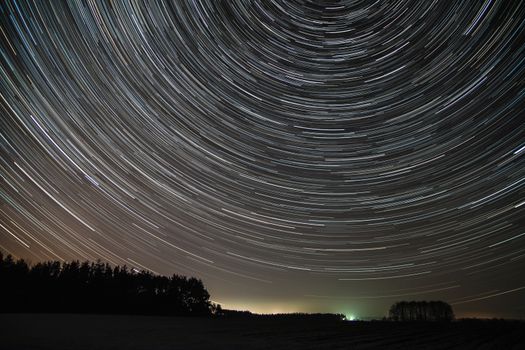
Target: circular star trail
pixel 307 154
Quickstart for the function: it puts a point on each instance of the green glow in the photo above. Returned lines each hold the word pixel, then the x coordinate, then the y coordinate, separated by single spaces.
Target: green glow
pixel 350 317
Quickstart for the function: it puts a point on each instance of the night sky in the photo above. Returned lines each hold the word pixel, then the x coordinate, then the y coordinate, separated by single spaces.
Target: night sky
pixel 323 156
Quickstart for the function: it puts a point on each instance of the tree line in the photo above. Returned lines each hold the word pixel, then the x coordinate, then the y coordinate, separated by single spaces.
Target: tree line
pixel 295 316
pixel 421 311
pixel 95 287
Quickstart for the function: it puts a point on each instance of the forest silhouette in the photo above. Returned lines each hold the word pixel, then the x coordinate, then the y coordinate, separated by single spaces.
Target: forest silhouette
pixel 96 287
pixel 421 311
pixel 99 288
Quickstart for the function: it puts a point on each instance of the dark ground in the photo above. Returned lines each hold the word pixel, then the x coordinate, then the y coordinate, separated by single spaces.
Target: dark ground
pixel 81 332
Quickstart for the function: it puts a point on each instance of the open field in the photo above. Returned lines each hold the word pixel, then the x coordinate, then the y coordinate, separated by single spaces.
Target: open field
pixel 82 332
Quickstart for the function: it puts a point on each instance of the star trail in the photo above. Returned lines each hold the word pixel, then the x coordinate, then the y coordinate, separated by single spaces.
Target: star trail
pixel 296 155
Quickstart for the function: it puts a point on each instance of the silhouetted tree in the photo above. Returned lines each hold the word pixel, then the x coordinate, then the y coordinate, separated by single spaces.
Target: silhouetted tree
pixel 97 287
pixel 216 310
pixel 421 311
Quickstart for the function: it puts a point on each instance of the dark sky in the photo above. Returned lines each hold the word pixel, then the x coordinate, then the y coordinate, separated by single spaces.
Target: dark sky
pixel 332 156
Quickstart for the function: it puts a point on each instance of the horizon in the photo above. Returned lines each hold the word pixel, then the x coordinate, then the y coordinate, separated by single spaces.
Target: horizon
pixel 273 308
pixel 306 156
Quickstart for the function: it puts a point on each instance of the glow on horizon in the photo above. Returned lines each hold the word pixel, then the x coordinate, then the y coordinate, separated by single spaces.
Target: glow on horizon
pixel 276 307
pixel 263 308
pixel 270 308
pixel 350 317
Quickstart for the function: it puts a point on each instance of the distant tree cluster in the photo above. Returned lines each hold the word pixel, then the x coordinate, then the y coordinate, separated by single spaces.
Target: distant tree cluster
pixel 296 316
pixel 97 288
pixel 421 311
